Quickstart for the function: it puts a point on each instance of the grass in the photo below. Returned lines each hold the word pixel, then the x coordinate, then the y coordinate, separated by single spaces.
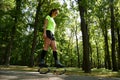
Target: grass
pixel 18 68
pixel 102 72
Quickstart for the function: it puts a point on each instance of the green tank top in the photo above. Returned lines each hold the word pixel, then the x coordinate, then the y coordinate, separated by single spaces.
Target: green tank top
pixel 51 24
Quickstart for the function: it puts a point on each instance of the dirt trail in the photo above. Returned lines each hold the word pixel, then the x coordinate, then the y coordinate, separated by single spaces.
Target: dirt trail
pixel 24 75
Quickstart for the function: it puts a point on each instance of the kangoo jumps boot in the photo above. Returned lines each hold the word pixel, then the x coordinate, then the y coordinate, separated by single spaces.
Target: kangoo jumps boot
pixel 42 62
pixel 57 62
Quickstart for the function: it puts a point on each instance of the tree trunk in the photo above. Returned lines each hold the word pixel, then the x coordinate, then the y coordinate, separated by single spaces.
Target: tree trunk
pixel 118 33
pixel 86 57
pixel 98 56
pixel 114 63
pixel 35 34
pixel 12 33
pixel 107 56
pixel 78 54
pixel 91 59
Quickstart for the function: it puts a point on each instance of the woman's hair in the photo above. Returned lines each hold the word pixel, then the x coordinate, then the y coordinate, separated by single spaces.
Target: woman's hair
pixel 53 10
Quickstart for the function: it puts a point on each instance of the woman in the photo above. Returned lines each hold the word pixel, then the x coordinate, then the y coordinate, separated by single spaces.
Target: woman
pixel 49 39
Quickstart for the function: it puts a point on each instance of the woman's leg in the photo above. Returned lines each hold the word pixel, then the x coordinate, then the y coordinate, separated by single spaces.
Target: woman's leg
pixel 53 45
pixel 54 48
pixel 47 42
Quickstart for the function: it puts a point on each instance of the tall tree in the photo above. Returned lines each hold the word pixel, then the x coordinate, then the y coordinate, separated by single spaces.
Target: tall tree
pixel 118 33
pixel 13 32
pixel 107 53
pixel 117 23
pixel 114 62
pixel 78 53
pixel 84 28
pixel 35 33
pixel 102 15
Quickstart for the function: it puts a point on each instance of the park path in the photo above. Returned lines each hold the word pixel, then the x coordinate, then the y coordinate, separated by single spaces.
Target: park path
pixel 25 75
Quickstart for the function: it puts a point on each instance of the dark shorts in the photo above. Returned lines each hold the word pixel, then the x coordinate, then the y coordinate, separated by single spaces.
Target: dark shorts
pixel 50 35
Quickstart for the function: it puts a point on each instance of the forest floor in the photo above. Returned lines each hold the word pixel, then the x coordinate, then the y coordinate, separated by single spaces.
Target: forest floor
pixel 26 73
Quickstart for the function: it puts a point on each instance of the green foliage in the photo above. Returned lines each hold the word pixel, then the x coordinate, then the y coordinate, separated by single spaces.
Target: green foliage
pixel 97 17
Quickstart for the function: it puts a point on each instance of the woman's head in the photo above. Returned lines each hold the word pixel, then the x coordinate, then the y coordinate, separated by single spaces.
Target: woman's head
pixel 54 12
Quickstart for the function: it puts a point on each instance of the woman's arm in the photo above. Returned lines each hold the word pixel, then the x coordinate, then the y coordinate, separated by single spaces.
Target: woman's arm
pixel 45 25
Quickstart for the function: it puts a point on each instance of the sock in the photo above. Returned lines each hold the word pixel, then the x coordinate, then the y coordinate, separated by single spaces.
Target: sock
pixel 55 55
pixel 43 54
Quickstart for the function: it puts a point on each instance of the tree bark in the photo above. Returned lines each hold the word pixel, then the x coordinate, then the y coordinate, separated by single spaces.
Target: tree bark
pixel 107 56
pixel 114 63
pixel 98 55
pixel 35 34
pixel 78 54
pixel 118 33
pixel 86 57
